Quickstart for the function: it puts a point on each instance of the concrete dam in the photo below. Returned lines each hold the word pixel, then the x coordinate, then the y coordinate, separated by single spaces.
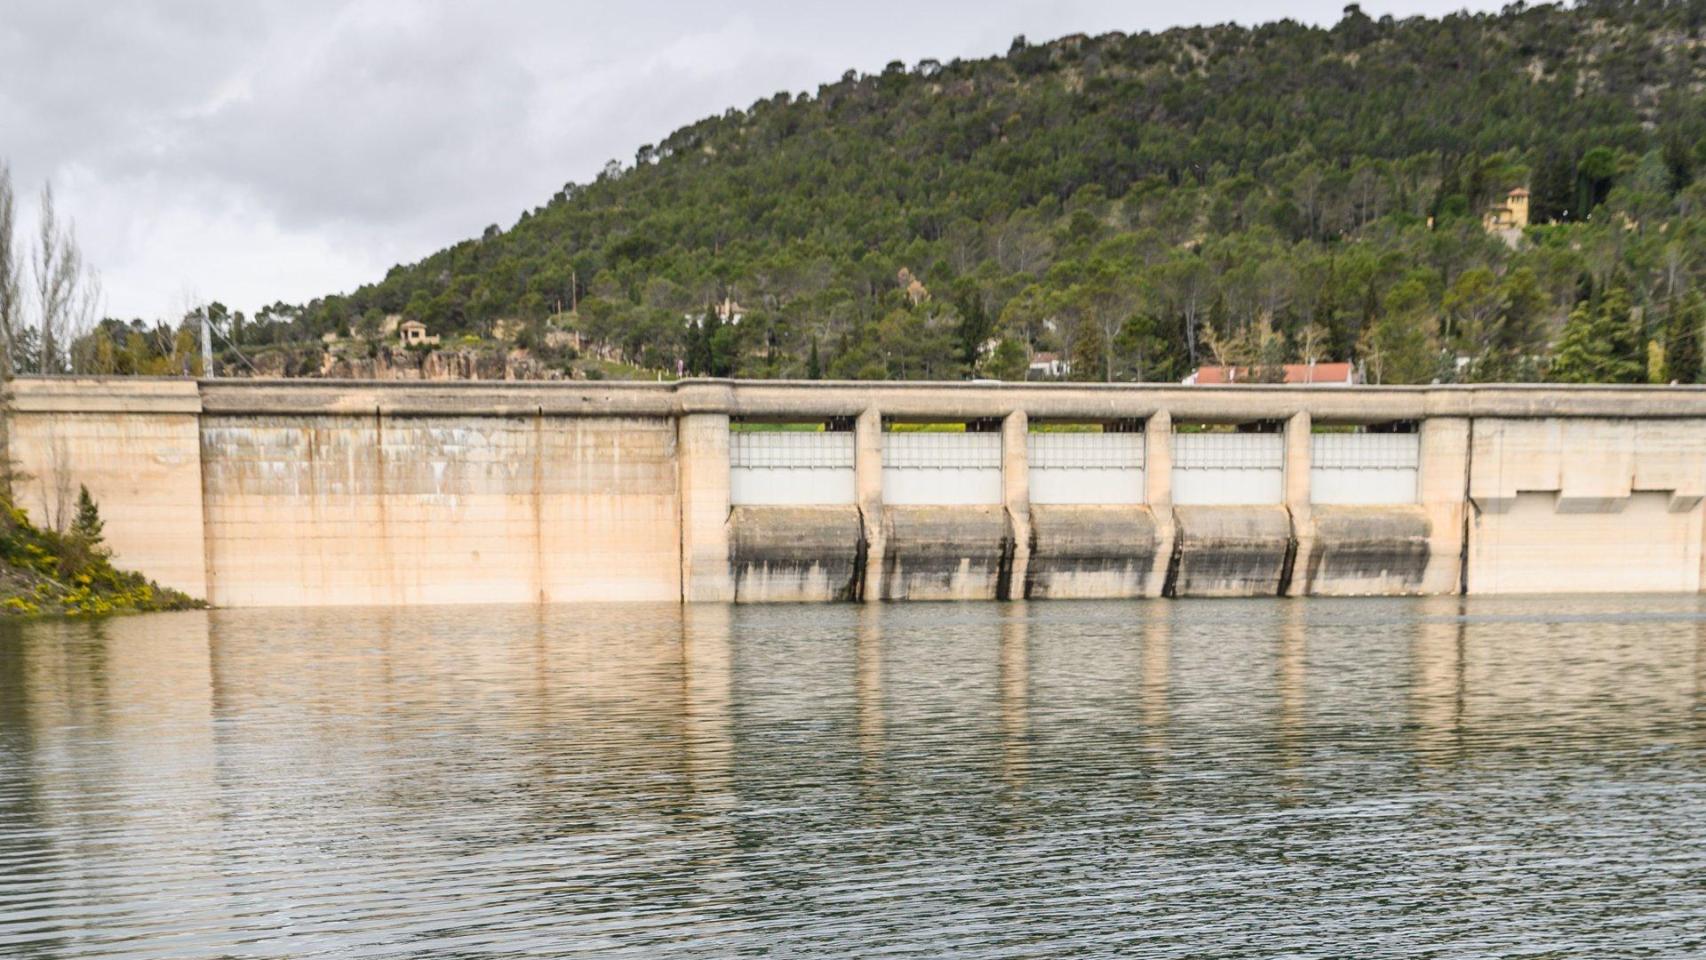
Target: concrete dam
pixel 313 492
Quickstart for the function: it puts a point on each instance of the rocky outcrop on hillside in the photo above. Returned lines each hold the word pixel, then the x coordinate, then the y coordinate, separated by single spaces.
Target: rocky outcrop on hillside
pixel 389 362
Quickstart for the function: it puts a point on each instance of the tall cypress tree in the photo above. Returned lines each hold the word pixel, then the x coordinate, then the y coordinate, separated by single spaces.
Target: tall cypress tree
pixel 1554 187
pixel 700 359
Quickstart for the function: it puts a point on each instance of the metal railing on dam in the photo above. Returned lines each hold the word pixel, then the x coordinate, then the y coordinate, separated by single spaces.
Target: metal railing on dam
pixel 255 493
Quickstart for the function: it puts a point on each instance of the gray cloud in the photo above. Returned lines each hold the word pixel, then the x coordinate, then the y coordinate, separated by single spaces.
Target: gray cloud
pixel 283 149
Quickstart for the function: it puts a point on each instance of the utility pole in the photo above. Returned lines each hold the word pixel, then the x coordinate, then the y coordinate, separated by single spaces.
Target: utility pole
pixel 206 342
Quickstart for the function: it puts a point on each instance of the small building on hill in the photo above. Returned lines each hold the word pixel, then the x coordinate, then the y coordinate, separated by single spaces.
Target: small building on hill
pixel 414 333
pixel 1316 374
pixel 1048 366
pixel 1509 218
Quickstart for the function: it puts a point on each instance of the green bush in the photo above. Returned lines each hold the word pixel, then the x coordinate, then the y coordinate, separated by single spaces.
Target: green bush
pixel 43 571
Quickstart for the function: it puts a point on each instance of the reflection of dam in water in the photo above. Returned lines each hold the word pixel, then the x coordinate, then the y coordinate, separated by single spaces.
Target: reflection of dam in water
pixel 298 493
pixel 608 778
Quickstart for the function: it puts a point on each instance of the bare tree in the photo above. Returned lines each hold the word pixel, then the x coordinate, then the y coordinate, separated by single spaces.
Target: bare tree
pixel 1366 188
pixel 1189 284
pixel 57 500
pixel 67 293
pixel 1307 190
pixel 1311 341
pixel 1275 283
pixel 87 306
pixel 11 289
pixel 11 308
pixel 53 277
pixel 1021 245
pixel 1674 261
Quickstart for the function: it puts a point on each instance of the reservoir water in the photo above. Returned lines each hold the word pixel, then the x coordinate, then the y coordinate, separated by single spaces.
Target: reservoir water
pixel 1374 778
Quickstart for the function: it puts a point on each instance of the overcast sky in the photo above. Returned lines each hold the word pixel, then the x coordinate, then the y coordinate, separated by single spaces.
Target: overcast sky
pixel 269 150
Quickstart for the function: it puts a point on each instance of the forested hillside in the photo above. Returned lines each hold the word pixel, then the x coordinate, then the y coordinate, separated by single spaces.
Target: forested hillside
pixel 1139 204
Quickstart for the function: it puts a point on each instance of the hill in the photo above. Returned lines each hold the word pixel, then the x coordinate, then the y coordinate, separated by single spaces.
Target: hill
pixel 1139 204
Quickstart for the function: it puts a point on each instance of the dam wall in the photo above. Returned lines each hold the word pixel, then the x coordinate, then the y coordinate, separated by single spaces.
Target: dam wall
pixel 290 493
pixel 420 510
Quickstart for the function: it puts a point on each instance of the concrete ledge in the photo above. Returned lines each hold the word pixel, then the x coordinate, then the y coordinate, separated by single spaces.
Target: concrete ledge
pixel 1090 552
pixel 946 553
pixel 442 398
pixel 1230 551
pixel 956 400
pixel 785 554
pixel 1368 551
pixel 103 395
pixel 1218 404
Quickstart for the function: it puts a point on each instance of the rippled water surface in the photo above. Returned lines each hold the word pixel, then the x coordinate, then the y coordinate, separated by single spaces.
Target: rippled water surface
pixel 1244 778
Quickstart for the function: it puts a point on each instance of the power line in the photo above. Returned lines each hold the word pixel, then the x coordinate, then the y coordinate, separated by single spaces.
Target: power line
pixel 208 324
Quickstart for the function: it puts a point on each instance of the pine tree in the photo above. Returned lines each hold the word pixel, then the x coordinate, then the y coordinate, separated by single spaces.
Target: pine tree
pixel 814 365
pixel 1519 336
pixel 1682 339
pixel 87 527
pixel 1008 361
pixel 1601 344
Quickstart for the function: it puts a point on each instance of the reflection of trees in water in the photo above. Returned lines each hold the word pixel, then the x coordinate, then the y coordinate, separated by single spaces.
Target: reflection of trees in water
pixel 27 817
pixel 115 774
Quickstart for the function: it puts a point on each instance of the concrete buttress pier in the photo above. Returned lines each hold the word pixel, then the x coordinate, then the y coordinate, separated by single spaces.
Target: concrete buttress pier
pixel 304 492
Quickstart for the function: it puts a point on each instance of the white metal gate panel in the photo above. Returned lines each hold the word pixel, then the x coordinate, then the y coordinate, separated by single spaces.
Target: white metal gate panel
pixel 941 468
pixel 790 467
pixel 1228 468
pixel 1358 468
pixel 1090 468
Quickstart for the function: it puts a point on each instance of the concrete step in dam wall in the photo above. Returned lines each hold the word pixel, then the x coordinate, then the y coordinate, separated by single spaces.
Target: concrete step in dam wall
pixel 259 493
